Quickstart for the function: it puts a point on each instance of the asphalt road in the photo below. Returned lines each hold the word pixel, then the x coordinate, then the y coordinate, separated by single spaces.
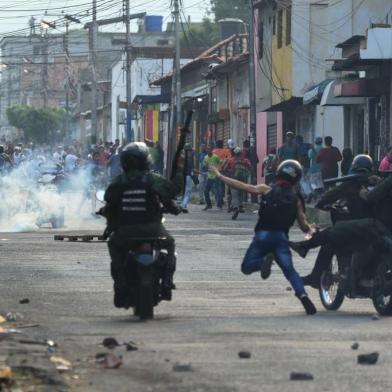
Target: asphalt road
pixel 216 312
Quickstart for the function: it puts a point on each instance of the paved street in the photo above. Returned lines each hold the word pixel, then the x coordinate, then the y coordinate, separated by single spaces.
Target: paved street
pixel 216 312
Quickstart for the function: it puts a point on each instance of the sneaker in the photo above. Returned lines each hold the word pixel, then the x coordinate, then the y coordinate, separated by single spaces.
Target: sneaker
pixel 297 247
pixel 207 208
pixel 236 213
pixel 310 309
pixel 265 271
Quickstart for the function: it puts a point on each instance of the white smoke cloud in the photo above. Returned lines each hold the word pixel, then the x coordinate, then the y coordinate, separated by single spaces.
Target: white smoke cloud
pixel 27 205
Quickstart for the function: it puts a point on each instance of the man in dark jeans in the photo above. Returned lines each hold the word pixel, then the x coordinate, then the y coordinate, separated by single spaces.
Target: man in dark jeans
pixel 328 158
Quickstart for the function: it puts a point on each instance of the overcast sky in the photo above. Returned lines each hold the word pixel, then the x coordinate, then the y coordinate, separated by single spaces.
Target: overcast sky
pixel 15 14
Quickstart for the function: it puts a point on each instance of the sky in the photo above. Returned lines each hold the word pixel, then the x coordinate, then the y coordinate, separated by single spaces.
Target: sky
pixel 15 14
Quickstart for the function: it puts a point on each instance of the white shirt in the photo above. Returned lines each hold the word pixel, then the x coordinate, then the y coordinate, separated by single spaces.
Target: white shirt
pixel 70 163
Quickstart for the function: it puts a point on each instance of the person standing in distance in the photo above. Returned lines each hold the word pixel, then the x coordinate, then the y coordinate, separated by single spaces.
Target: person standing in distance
pixel 281 205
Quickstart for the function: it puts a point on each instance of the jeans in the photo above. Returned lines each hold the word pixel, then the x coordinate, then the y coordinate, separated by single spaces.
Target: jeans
pixel 236 198
pixel 276 242
pixel 187 192
pixel 202 186
pixel 212 184
pixel 221 191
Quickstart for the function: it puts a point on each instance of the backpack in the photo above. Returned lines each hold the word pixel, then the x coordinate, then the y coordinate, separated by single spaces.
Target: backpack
pixel 240 172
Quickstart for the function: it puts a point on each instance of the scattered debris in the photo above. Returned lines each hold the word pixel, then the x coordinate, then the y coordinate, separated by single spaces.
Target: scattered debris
pixel 110 343
pixel 24 301
pixel 5 372
pixel 244 354
pixel 2 319
pixel 294 376
pixel 355 346
pixel 108 360
pixel 14 316
pixel 182 368
pixel 368 359
pixel 289 288
pixel 131 346
pixel 80 238
pixel 61 363
pixel 6 375
pixel 376 317
pixel 28 326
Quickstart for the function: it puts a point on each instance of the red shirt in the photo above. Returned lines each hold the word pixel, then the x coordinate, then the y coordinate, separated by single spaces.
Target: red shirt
pixel 328 159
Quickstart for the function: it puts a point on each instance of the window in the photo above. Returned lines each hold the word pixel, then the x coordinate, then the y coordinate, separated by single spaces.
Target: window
pixel 288 25
pixel 261 38
pixel 280 28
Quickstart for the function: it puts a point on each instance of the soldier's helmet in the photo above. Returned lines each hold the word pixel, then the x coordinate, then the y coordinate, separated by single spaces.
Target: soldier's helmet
pixel 135 156
pixel 362 164
pixel 290 170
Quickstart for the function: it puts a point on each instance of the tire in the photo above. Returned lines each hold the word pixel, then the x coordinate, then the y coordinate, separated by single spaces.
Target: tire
pixel 145 308
pixel 382 280
pixel 331 295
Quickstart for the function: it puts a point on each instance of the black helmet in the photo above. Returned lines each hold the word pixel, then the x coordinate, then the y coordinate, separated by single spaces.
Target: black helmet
pixel 290 170
pixel 135 156
pixel 362 164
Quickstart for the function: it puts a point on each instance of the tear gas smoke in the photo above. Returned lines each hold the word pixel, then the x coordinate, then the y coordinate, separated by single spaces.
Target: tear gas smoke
pixel 30 201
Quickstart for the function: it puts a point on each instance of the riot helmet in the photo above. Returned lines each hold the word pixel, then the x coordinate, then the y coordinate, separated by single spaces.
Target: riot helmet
pixel 135 156
pixel 362 164
pixel 290 170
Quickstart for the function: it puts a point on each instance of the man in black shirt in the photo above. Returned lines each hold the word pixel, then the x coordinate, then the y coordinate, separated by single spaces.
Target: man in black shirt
pixel 280 207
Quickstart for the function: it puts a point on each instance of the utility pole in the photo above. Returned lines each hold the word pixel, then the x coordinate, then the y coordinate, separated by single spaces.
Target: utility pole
pixel 45 70
pixel 93 61
pixel 178 64
pixel 128 71
pixel 175 112
pixel 66 79
pixel 252 95
pixel 68 19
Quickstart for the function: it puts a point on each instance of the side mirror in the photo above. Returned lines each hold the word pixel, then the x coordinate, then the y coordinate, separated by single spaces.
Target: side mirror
pixel 100 196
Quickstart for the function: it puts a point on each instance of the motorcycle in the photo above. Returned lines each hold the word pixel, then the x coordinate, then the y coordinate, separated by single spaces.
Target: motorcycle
pixel 145 270
pixel 355 275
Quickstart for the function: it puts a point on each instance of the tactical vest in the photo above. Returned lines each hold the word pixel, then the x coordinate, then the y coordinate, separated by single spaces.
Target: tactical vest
pixel 139 204
pixel 278 209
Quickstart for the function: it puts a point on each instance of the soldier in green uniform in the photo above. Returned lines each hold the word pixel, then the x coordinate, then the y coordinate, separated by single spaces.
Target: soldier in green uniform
pixel 133 210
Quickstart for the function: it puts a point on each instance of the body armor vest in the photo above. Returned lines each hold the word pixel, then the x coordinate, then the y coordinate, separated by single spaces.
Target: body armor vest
pixel 139 203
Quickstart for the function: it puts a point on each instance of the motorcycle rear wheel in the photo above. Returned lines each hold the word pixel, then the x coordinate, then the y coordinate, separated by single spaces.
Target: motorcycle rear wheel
pixel 331 295
pixel 383 278
pixel 145 306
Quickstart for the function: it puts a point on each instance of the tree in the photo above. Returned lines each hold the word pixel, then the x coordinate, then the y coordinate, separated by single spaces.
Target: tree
pixel 39 124
pixel 230 9
pixel 200 35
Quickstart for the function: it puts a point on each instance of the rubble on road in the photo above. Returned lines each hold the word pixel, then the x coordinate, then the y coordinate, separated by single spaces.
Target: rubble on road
pixel 368 359
pixel 376 317
pixel 355 346
pixel 131 346
pixel 108 360
pixel 110 343
pixel 12 317
pixel 182 368
pixel 24 301
pixel 299 376
pixel 244 354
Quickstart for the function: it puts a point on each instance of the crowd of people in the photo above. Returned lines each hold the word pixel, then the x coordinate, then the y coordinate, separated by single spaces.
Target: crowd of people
pixel 234 162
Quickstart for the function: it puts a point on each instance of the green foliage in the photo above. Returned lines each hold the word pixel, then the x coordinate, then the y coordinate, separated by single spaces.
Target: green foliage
pixel 230 9
pixel 38 124
pixel 200 35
